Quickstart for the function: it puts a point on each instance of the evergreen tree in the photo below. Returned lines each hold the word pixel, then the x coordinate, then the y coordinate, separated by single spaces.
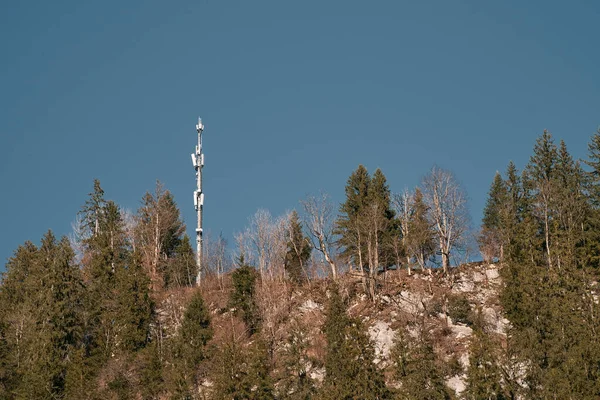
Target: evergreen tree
pixel 421 241
pixel 152 378
pixel 106 254
pixel 490 237
pixel 190 345
pixel 540 181
pixel 6 366
pixel 295 381
pixel 135 308
pixel 593 176
pixel 592 185
pixel 350 372
pixel 92 210
pixel 382 223
pixel 417 370
pixel 195 331
pixel 46 323
pixel 243 297
pixel 258 374
pixel 349 224
pixel 484 374
pixel 182 269
pixel 243 373
pixel 367 225
pixel 546 280
pixel 298 250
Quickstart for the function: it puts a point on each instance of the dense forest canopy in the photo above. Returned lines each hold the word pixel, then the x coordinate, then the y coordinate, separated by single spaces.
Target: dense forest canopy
pixel 119 310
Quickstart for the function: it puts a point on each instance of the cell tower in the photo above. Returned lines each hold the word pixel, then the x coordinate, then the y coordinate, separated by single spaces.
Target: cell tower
pixel 198 161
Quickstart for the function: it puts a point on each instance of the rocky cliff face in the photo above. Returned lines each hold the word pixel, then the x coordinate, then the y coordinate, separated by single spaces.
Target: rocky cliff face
pixel 442 306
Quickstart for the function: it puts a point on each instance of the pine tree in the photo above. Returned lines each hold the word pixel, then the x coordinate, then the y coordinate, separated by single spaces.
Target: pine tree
pixel 182 269
pixel 189 348
pixel 540 181
pixel 134 308
pixel 382 227
pixel 349 224
pixel 547 281
pixel 350 372
pixel 242 373
pixel 258 376
pixel 7 368
pixel 295 382
pixel 417 369
pixel 46 322
pixel 490 241
pixel 243 297
pixel 106 254
pixel 17 298
pixel 92 210
pixel 195 331
pixel 592 185
pixel 367 225
pixel 298 250
pixel 421 241
pixel 484 374
pixel 152 370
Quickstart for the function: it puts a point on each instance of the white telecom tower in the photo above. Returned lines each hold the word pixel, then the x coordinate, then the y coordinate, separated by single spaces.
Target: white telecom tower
pixel 198 161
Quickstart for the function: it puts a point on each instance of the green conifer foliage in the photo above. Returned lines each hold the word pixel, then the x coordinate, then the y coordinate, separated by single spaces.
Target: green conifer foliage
pixel 484 374
pixel 417 369
pixel 92 210
pixel 298 250
pixel 350 372
pixel 383 223
pixel 182 269
pixel 420 242
pixel 189 347
pixel 349 224
pixel 135 308
pixel 195 330
pixel 241 372
pixel 6 366
pixel 490 240
pixel 295 381
pixel 152 378
pixel 366 225
pixel 547 279
pixel 106 256
pixel 243 296
pixel 593 162
pixel 592 184
pixel 43 329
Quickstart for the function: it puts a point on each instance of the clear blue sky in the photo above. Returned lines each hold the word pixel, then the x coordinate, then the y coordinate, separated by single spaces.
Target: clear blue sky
pixel 294 95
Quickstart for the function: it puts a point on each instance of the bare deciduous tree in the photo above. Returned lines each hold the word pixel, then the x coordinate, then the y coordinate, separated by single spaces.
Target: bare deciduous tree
pixel 319 221
pixel 263 243
pixel 77 238
pixel 447 204
pixel 216 251
pixel 402 204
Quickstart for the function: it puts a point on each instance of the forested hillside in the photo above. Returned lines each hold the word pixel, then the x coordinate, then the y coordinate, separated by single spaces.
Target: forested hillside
pixel 368 299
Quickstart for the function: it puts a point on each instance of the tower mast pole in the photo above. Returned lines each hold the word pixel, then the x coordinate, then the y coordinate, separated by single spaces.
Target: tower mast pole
pixel 198 161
